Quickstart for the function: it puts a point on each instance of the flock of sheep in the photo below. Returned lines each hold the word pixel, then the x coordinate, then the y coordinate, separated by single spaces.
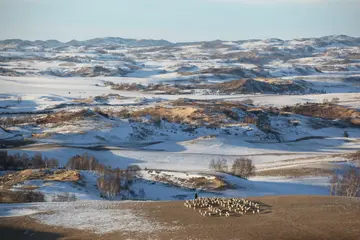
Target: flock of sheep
pixel 223 206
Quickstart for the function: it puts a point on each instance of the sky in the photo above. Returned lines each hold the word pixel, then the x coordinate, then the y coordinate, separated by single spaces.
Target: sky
pixel 177 20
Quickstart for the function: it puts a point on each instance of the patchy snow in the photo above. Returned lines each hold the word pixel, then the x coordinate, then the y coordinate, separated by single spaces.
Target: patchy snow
pixel 84 190
pixel 97 216
pixel 13 210
pixel 28 84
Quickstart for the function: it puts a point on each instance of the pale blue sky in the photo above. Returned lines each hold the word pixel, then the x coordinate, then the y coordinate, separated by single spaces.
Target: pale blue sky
pixel 177 20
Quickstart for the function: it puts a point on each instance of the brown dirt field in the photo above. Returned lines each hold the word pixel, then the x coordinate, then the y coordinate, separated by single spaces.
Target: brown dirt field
pixel 289 217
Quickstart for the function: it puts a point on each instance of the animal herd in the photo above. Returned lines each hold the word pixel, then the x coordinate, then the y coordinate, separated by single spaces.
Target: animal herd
pixel 223 206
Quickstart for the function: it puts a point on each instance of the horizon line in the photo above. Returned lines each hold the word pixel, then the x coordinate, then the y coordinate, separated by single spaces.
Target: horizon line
pixel 174 42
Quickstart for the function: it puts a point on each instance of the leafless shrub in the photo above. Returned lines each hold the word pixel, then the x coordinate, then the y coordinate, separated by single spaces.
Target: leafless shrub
pixel 124 113
pixel 62 116
pixel 37 161
pixel 141 194
pixel 156 120
pixel 231 114
pixel 250 119
pixel 346 184
pixel 14 121
pixel 24 161
pixel 64 197
pixel 243 167
pixel 127 86
pixel 85 162
pixel 28 196
pixel 219 165
pixel 248 101
pixel 52 163
pixel 335 100
pixel 109 186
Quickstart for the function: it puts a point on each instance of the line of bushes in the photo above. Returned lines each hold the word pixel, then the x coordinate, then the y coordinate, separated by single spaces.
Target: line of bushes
pixel 23 161
pixel 241 167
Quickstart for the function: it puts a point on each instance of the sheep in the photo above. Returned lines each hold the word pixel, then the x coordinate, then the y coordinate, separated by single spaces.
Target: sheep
pixel 222 206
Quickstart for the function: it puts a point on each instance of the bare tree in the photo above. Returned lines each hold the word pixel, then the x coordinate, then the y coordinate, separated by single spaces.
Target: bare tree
pixel 92 163
pixel 37 161
pixel 212 165
pixel 346 184
pixel 141 194
pixel 64 197
pixel 84 162
pixel 109 186
pixel 243 167
pixel 219 165
pixel 28 196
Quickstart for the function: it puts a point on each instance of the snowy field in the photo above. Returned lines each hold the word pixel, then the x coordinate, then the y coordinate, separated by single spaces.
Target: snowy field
pixel 36 81
pixel 109 216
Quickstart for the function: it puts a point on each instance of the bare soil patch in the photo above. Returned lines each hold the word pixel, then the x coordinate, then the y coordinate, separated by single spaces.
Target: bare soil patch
pixel 291 217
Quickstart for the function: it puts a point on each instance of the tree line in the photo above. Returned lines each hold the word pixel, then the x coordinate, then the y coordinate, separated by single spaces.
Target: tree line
pixel 241 167
pixel 23 161
pixel 111 181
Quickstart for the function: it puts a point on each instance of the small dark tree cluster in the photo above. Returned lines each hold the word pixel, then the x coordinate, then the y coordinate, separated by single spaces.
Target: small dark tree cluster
pixel 231 114
pixel 85 162
pixel 219 165
pixel 23 161
pixel 250 119
pixel 109 186
pixel 28 196
pixel 243 167
pixel 112 181
pixel 14 121
pixel 64 197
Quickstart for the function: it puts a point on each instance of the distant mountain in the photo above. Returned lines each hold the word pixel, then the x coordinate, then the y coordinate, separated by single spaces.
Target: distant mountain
pixel 109 41
pixel 334 40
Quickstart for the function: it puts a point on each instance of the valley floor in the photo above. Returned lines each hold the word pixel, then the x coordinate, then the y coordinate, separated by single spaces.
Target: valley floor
pixel 286 217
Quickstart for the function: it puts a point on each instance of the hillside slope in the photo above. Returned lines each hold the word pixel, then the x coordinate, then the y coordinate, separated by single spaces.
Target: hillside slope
pixel 287 217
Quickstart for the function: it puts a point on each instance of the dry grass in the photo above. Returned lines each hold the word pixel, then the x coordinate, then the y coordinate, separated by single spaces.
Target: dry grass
pixel 88 100
pixel 215 183
pixel 327 111
pixel 41 135
pixel 28 187
pixel 178 114
pixel 65 116
pixel 64 176
pixel 214 113
pixel 14 178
